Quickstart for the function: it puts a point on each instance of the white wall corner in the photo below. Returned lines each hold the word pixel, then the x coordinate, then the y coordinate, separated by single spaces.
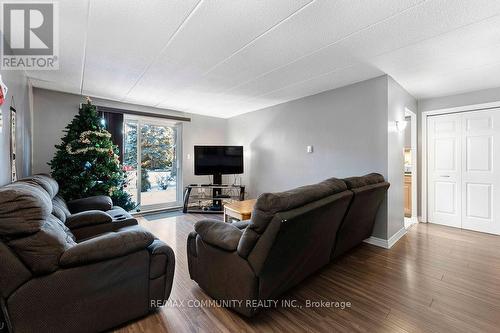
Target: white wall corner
pixel 386 243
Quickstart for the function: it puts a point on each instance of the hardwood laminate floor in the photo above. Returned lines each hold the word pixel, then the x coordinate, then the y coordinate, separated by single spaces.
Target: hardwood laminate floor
pixel 435 279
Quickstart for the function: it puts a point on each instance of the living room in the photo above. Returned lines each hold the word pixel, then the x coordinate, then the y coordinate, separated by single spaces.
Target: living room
pixel 249 166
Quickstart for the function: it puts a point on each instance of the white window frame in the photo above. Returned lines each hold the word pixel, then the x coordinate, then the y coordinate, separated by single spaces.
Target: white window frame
pixel 140 120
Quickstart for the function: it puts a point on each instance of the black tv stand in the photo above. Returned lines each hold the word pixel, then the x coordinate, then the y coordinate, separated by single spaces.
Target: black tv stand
pixel 217 204
pixel 196 200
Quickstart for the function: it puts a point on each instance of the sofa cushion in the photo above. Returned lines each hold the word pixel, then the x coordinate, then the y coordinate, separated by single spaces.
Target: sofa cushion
pixel 86 218
pixel 41 251
pixel 46 182
pixel 218 233
pixel 98 202
pixel 270 203
pixel 369 179
pixel 162 259
pixel 107 246
pixel 24 207
pixel 60 209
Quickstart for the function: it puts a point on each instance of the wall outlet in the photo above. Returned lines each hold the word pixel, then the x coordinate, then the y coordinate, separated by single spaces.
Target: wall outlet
pixel 310 149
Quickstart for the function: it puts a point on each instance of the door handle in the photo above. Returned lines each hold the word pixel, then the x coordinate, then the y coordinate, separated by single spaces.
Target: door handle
pixel 445 176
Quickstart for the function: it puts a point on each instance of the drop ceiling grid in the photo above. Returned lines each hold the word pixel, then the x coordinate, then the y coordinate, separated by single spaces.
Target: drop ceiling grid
pixel 120 46
pixel 299 48
pixel 206 40
pixel 365 46
pixel 71 49
pixel 274 51
pixel 443 49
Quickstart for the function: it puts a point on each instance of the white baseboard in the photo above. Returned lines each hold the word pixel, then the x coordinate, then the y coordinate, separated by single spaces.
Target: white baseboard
pixel 409 221
pixel 386 243
pixel 377 242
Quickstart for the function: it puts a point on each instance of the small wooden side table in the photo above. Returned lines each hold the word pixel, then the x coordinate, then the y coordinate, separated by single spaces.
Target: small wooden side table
pixel 241 210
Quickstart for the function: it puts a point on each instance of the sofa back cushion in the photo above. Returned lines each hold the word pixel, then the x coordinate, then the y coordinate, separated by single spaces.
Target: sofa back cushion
pixel 268 204
pixel 297 243
pixel 60 209
pixel 50 185
pixel 41 251
pixel 369 179
pixel 24 207
pixel 369 192
pixel 46 182
pixel 28 227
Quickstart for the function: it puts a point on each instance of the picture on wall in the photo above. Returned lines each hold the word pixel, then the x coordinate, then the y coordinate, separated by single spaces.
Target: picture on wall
pixel 13 142
pixel 3 93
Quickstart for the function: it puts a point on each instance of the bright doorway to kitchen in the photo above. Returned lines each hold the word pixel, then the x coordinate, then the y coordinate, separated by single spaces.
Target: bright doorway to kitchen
pixel 152 161
pixel 410 169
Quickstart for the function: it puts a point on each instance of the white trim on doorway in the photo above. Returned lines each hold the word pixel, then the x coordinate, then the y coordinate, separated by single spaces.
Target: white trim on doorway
pixel 140 120
pixel 414 163
pixel 425 115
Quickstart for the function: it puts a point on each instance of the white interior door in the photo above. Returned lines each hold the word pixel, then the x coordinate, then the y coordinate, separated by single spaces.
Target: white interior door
pixel 444 170
pixel 480 174
pixel 463 170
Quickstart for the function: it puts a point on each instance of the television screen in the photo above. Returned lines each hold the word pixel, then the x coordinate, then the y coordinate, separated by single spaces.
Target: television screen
pixel 212 160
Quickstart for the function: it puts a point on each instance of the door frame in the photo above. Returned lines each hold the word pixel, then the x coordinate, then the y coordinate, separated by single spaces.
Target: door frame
pixel 178 157
pixel 425 115
pixel 414 166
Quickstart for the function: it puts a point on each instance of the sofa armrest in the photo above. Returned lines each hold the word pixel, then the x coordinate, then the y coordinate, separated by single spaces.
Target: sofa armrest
pixel 98 202
pixel 107 246
pixel 87 218
pixel 241 224
pixel 219 234
pixel 162 256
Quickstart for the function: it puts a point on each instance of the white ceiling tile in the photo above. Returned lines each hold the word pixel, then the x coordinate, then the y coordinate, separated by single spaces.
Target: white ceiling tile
pixel 72 26
pixel 419 24
pixel 214 32
pixel 319 25
pixel 124 39
pixel 474 45
pixel 458 81
pixel 327 81
pixel 227 57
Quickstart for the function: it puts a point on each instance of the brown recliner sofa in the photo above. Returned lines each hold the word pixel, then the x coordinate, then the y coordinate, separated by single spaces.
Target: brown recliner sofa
pixel 290 236
pixel 368 194
pixel 54 281
pixel 85 217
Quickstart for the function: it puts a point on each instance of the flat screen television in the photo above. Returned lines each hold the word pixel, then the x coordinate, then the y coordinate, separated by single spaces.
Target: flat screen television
pixel 218 160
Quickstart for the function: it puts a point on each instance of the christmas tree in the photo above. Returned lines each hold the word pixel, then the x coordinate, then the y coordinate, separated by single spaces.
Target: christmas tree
pixel 87 163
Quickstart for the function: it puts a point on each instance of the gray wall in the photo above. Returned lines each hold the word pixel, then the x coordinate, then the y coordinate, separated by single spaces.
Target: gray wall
pixel 348 128
pixel 352 130
pixel 473 97
pixel 398 101
pixel 17 83
pixel 54 110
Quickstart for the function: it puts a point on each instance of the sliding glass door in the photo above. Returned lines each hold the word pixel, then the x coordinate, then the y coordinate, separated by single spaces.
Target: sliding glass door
pixel 152 162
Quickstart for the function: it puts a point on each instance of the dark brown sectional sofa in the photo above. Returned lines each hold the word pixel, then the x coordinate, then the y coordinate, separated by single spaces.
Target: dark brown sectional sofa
pixel 291 235
pixel 84 266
